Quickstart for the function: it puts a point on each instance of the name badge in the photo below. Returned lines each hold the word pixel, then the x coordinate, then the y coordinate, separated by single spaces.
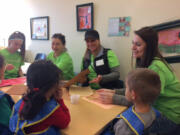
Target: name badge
pixel 100 62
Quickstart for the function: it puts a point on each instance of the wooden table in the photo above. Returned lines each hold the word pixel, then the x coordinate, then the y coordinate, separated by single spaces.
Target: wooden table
pixel 14 97
pixel 86 118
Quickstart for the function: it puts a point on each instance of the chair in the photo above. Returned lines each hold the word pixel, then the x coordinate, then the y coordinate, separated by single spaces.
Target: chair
pixel 40 56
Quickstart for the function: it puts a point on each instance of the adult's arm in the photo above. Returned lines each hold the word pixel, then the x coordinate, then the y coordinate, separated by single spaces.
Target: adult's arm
pixel 120 100
pixel 114 66
pixel 113 75
pixel 108 96
pixel 120 91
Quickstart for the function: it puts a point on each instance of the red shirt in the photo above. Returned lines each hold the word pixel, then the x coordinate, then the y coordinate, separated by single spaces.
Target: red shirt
pixel 60 119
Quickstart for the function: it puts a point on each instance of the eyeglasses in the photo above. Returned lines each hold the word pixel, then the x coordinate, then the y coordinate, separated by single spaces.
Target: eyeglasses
pixel 136 43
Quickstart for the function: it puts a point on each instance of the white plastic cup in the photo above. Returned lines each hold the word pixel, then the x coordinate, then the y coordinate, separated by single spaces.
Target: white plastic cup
pixel 75 98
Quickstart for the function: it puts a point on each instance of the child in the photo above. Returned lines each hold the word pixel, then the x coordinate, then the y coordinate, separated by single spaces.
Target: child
pixel 41 110
pixel 6 104
pixel 14 59
pixel 142 88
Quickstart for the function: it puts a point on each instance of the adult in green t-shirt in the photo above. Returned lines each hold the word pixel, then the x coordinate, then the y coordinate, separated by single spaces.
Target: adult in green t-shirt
pixel 60 57
pixel 14 55
pixel 145 51
pixel 102 63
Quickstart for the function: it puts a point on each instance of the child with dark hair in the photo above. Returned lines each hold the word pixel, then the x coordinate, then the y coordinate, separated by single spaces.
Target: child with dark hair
pixel 6 104
pixel 14 58
pixel 142 88
pixel 60 56
pixel 42 110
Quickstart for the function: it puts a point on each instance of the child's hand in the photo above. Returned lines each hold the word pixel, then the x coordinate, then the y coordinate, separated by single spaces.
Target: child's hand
pixel 58 94
pixel 96 80
pixel 9 67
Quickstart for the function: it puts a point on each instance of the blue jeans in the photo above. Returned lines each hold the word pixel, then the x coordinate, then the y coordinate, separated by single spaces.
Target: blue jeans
pixel 163 126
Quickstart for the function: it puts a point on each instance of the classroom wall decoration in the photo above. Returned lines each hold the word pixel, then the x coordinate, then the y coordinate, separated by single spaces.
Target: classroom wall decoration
pixel 84 16
pixel 169 40
pixel 169 37
pixel 119 26
pixel 39 28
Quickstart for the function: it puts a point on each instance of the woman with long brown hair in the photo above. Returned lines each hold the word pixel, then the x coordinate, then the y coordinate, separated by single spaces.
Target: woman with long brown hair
pixel 145 51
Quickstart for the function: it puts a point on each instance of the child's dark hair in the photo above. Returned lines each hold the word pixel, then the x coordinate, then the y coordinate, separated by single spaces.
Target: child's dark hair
pixel 1 61
pixel 146 84
pixel 61 37
pixel 19 35
pixel 42 75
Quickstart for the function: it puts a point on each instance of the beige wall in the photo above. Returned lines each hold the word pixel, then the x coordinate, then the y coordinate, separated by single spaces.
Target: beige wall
pixel 62 15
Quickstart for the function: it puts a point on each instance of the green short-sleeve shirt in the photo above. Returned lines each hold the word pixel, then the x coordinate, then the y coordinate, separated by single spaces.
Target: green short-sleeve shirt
pixel 112 61
pixel 15 59
pixel 63 62
pixel 168 101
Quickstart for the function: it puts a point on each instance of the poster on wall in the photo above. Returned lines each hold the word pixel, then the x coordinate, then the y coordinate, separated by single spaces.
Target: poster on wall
pixel 119 26
pixel 84 17
pixel 39 28
pixel 169 38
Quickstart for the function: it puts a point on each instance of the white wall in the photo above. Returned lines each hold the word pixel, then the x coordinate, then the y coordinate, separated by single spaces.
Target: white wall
pixel 62 15
pixel 14 15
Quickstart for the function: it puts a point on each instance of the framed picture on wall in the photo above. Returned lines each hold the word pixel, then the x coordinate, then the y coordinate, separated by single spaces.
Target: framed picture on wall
pixel 169 40
pixel 39 28
pixel 84 17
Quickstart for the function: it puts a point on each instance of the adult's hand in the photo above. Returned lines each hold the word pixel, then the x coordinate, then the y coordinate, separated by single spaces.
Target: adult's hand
pixel 96 80
pixel 106 90
pixel 106 97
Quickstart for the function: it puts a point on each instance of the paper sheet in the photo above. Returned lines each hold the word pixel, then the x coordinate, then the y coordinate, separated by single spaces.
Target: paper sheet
pixel 113 28
pixel 95 100
pixel 14 81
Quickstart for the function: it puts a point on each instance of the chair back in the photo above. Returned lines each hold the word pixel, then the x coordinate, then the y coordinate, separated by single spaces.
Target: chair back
pixel 40 56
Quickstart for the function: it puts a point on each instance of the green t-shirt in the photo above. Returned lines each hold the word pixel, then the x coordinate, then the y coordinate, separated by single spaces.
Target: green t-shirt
pixel 112 61
pixel 168 101
pixel 5 111
pixel 12 58
pixel 63 62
